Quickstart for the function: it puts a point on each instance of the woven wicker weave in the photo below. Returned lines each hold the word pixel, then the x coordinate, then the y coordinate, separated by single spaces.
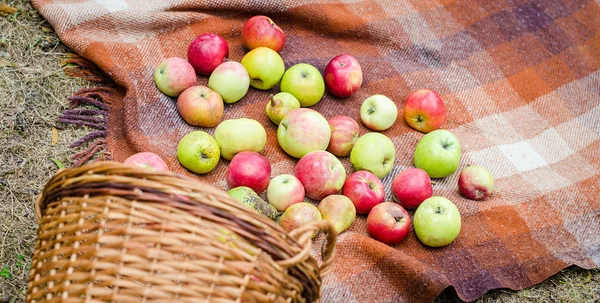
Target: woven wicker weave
pixel 115 233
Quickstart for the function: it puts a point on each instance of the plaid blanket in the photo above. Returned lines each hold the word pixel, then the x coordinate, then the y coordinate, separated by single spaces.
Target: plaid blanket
pixel 520 80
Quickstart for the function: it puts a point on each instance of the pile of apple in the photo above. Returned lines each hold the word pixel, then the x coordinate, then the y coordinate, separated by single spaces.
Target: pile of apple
pixel 305 134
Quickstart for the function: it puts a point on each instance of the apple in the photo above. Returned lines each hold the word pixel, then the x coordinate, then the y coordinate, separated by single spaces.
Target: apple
pixel 321 174
pixel 231 80
pixel 303 130
pixel 249 169
pixel 378 112
pixel 250 198
pixel 343 76
pixel 338 210
pixel 264 66
pixel 424 110
pixel 284 191
pixel 411 187
pixel 200 106
pixel 207 52
pixel 344 133
pixel 476 183
pixel 238 135
pixel 305 82
pixel 389 223
pixel 437 222
pixel 438 153
pixel 198 152
pixel 147 160
pixel 262 31
pixel 364 189
pixel 298 215
pixel 280 105
pixel 173 75
pixel 373 152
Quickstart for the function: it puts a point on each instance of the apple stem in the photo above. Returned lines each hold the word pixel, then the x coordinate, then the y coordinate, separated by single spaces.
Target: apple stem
pixel 398 219
pixel 432 182
pixel 274 102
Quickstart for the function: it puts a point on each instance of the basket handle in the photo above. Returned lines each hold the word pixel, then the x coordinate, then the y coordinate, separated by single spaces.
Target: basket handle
pixel 38 208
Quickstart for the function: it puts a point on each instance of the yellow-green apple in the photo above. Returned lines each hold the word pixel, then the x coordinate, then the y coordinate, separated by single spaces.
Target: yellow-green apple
pixel 411 187
pixel 238 135
pixel 147 160
pixel 437 222
pixel 198 152
pixel 231 80
pixel 364 189
pixel 173 75
pixel 298 215
pixel 303 130
pixel 305 82
pixel 262 31
pixel 476 183
pixel 280 105
pixel 284 191
pixel 321 174
pixel 438 153
pixel 206 52
pixel 343 76
pixel 389 223
pixel 378 112
pixel 249 169
pixel 200 106
pixel 338 210
pixel 344 133
pixel 248 197
pixel 424 110
pixel 373 152
pixel 264 66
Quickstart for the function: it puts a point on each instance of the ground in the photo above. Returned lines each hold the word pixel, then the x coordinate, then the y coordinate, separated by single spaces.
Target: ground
pixel 34 90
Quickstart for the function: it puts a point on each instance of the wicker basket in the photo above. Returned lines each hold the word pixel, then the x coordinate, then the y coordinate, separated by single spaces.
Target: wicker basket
pixel 109 232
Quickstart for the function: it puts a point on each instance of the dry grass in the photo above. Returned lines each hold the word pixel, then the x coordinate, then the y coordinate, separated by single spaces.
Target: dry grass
pixel 34 90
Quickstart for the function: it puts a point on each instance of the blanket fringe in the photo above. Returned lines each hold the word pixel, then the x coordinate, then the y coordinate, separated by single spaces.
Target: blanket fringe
pixel 75 66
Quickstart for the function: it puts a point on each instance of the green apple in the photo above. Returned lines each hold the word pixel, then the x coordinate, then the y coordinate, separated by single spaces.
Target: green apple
pixel 264 66
pixel 303 130
pixel 279 105
pixel 198 152
pixel 250 198
pixel 437 222
pixel 378 112
pixel 373 152
pixel 438 153
pixel 305 82
pixel 230 79
pixel 238 135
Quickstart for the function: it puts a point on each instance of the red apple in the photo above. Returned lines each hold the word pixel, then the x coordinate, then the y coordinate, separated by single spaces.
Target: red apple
pixel 321 174
pixel 364 189
pixel 262 31
pixel 411 187
pixel 389 223
pixel 147 160
pixel 200 106
pixel 249 169
pixel 424 110
pixel 298 215
pixel 206 52
pixel 476 183
pixel 343 76
pixel 173 75
pixel 344 133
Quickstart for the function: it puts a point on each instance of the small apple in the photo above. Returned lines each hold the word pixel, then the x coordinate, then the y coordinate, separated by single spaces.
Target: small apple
pixel 303 130
pixel 231 80
pixel 424 110
pixel 198 152
pixel 438 153
pixel 344 133
pixel 411 187
pixel 147 160
pixel 173 75
pixel 437 222
pixel 321 174
pixel 207 52
pixel 378 112
pixel 200 106
pixel 238 135
pixel 285 190
pixel 343 76
pixel 280 105
pixel 305 82
pixel 476 183
pixel 250 198
pixel 262 31
pixel 249 169
pixel 264 66
pixel 373 152
pixel 298 215
pixel 338 210
pixel 364 189
pixel 389 223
